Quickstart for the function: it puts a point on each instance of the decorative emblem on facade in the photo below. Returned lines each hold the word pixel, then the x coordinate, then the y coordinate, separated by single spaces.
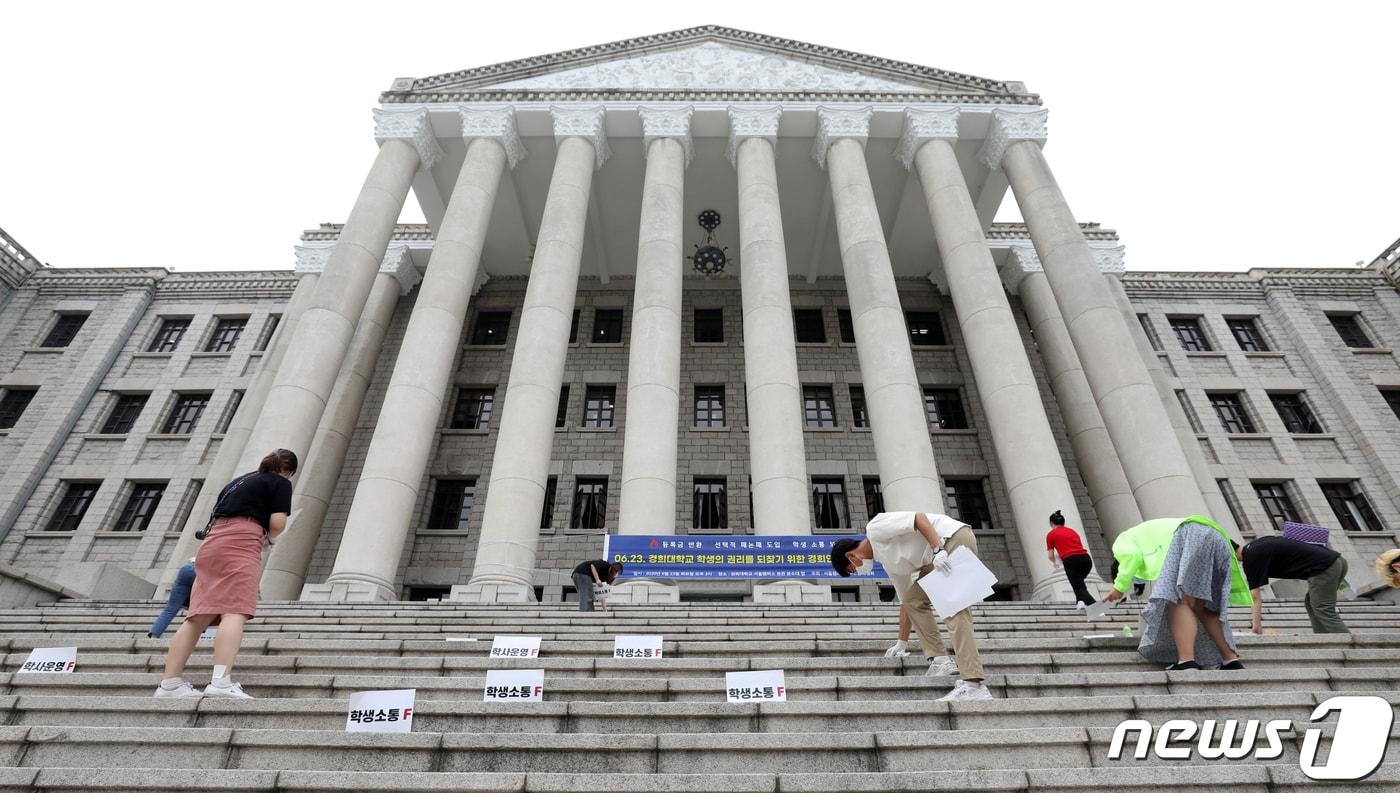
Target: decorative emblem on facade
pixel 834 123
pixel 412 126
pixel 922 126
pixel 586 123
pixel 668 122
pixel 752 122
pixel 1012 126
pixel 497 123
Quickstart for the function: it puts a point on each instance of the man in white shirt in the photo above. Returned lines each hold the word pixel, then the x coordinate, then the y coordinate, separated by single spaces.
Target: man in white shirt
pixel 911 545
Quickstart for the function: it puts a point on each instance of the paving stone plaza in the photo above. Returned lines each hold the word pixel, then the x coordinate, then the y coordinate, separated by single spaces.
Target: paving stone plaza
pixel 706 282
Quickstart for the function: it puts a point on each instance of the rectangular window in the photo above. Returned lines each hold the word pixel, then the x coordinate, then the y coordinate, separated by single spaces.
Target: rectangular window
pixel 859 415
pixel 77 497
pixel 1296 414
pixel 561 416
pixel 168 336
pixel 925 328
pixel 140 507
pixel 1146 323
pixel 808 326
pixel 229 412
pixel 598 405
pixel 124 413
pixel 491 328
pixel 967 502
pixel 226 334
pixel 1392 398
pixel 473 409
pixel 452 505
pixel 1351 507
pixel 184 416
pixel 709 325
pixel 64 330
pixel 1273 496
pixel 709 406
pixel 829 503
pixel 551 486
pixel 1186 408
pixel 269 328
pixel 607 326
pixel 1229 408
pixel 573 326
pixel 845 326
pixel 818 406
pixel 945 409
pixel 1190 334
pixel 874 496
pixel 13 404
pixel 710 504
pixel 1247 334
pixel 1349 328
pixel 590 503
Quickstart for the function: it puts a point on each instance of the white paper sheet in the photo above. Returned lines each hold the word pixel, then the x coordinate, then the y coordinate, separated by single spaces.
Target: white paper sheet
pixel 968 583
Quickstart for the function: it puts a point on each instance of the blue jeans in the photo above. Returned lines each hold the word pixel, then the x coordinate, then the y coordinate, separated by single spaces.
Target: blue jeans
pixel 179 598
pixel 583 584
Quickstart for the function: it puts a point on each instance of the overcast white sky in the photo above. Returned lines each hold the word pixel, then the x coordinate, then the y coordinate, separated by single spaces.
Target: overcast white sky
pixel 1213 136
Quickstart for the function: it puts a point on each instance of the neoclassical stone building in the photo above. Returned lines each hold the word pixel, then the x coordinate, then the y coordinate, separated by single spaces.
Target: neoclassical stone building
pixel 564 351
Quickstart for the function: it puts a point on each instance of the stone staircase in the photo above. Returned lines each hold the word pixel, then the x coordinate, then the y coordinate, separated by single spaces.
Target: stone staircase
pixel 856 720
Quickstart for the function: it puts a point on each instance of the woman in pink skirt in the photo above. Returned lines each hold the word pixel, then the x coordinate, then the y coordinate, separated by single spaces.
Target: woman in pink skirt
pixel 250 511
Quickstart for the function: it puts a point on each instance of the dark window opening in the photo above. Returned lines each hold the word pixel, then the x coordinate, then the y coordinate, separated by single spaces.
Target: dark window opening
pixel 709 325
pixel 561 415
pixel 1189 332
pixel 845 326
pixel 168 336
pixel 829 503
pixel 452 505
pixel 184 416
pixel 64 330
pixel 945 409
pixel 818 406
pixel 491 328
pixel 1273 496
pixel 1351 506
pixel 598 405
pixel 1229 408
pixel 859 416
pixel 607 326
pixel 124 413
pixel 573 326
pixel 710 504
pixel 1349 329
pixel 226 334
pixel 590 503
pixel 967 502
pixel 874 496
pixel 1296 414
pixel 845 594
pixel 421 593
pixel 140 507
pixel 551 486
pixel 808 326
pixel 1247 334
pixel 925 328
pixel 77 497
pixel 473 409
pixel 13 404
pixel 709 406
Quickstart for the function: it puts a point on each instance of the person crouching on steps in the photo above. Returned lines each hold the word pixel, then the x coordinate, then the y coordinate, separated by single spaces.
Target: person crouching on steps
pixel 911 545
pixel 250 511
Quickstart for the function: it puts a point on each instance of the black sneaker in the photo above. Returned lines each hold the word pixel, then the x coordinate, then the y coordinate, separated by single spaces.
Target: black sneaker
pixel 1181 666
pixel 1233 665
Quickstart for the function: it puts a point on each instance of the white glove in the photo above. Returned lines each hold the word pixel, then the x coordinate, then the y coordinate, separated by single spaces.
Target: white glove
pixel 899 650
pixel 941 562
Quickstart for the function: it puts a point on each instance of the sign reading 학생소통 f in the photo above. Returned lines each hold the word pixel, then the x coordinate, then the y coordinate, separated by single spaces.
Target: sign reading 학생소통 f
pixel 689 556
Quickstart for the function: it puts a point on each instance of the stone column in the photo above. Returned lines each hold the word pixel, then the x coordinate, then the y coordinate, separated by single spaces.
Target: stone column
pixel 1142 433
pixel 654 360
pixel 378 525
pixel 310 263
pixel 1028 455
pixel 505 557
pixel 320 471
pixel 1093 448
pixel 893 396
pixel 304 380
pixel 777 456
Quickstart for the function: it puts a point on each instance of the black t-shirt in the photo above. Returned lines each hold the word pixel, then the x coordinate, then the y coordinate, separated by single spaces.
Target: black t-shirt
pixel 255 496
pixel 601 565
pixel 1276 557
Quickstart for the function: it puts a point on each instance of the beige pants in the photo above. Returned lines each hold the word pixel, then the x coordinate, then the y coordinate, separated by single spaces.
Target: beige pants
pixel 959 625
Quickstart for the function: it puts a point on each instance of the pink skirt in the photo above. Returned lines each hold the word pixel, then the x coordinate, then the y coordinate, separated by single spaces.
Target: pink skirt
pixel 227 569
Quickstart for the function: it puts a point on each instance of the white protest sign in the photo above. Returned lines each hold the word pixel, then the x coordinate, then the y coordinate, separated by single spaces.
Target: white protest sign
pixel 209 632
pixel 460 639
pixel 515 647
pixel 51 659
pixel 514 685
pixel 764 686
pixel 1098 610
pixel 634 647
pixel 381 711
pixel 968 583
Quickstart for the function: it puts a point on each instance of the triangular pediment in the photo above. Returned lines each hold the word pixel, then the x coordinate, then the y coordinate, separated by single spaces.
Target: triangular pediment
pixel 706 59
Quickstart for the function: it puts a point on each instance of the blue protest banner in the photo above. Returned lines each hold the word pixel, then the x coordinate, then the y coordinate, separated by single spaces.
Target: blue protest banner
pixel 734 556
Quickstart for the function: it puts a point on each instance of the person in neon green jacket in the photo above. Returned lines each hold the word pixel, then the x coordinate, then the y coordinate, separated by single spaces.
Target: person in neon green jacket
pixel 1198 579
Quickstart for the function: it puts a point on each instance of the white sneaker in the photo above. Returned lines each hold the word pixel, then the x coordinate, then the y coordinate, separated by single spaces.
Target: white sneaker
pixel 963 690
pixel 942 665
pixel 181 691
pixel 1079 605
pixel 231 690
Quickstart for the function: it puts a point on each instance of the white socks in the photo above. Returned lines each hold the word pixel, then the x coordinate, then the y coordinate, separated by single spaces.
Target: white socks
pixel 172 683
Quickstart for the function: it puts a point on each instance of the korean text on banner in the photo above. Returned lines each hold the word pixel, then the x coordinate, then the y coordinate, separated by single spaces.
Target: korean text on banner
pixel 381 711
pixel 515 647
pixel 762 686
pixel 514 685
pixel 968 583
pixel 51 659
pixel 770 556
pixel 637 647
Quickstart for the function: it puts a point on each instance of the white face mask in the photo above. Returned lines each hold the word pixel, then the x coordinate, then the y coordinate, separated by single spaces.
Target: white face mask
pixel 865 567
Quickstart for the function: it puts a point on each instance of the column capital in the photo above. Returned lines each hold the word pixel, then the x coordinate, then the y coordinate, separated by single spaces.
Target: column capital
pixel 834 123
pixel 667 122
pixel 1021 261
pixel 1012 126
pixel 398 262
pixel 752 122
pixel 495 123
pixel 586 123
pixel 922 125
pixel 312 259
pixel 1110 259
pixel 412 126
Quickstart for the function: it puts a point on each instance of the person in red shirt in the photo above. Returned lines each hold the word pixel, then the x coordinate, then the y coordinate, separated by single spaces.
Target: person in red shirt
pixel 1065 542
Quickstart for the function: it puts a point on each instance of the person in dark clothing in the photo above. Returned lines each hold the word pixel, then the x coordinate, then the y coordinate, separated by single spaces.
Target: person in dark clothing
pixel 179 599
pixel 590 574
pixel 1277 557
pixel 1064 542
